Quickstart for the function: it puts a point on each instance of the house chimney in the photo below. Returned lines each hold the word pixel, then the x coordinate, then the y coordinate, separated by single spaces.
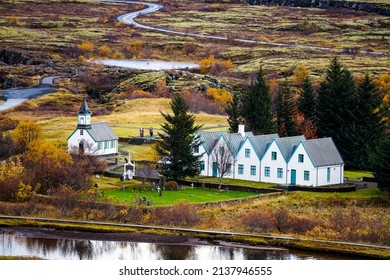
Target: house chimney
pixel 241 129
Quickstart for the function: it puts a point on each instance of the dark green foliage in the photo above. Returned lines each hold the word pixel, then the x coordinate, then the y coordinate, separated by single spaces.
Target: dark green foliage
pixel 337 101
pixel 233 112
pixel 284 109
pixel 380 163
pixel 178 141
pixel 369 121
pixel 307 100
pixel 257 107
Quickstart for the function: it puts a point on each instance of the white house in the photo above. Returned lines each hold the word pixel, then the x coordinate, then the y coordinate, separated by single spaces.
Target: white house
pixel 92 138
pixel 248 164
pixel 275 158
pixel 208 140
pixel 316 162
pixel 268 158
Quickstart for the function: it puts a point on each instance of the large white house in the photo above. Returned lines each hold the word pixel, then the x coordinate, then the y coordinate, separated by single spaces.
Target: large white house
pixel 269 158
pixel 92 138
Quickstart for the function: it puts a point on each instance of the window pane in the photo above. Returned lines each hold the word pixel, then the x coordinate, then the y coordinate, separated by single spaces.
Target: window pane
pixel 273 155
pixel 280 172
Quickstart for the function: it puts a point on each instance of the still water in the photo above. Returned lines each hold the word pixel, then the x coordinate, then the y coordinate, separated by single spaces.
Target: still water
pixel 18 243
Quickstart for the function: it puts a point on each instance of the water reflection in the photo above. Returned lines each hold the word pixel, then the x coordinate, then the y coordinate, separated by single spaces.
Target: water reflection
pixel 14 243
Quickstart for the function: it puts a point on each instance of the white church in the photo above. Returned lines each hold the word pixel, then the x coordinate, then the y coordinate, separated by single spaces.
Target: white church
pixel 96 139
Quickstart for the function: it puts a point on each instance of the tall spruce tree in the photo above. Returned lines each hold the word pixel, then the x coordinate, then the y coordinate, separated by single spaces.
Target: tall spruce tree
pixel 178 142
pixel 369 117
pixel 233 112
pixel 257 106
pixel 307 100
pixel 335 114
pixel 380 162
pixel 284 109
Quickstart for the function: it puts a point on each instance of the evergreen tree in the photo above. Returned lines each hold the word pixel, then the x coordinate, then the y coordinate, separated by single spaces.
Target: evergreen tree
pixel 233 112
pixel 257 107
pixel 284 109
pixel 307 100
pixel 337 100
pixel 369 120
pixel 380 162
pixel 178 142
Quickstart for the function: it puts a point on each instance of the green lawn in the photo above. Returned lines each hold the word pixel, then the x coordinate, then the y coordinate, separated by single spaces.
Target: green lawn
pixel 168 197
pixel 351 174
pixel 112 189
pixel 360 193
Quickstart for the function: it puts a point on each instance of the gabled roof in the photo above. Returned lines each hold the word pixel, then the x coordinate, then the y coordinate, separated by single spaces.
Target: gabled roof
pixel 235 140
pixel 261 142
pixel 288 144
pixel 322 152
pixel 101 131
pixel 209 139
pixel 84 109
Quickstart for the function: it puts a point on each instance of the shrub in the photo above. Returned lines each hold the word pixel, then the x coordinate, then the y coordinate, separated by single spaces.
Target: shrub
pixel 222 96
pixel 181 214
pixel 86 47
pixel 104 50
pixel 214 66
pixel 260 221
pixel 171 185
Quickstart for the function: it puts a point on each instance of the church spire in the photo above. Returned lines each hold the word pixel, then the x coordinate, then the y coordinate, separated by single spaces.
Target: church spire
pixel 84 116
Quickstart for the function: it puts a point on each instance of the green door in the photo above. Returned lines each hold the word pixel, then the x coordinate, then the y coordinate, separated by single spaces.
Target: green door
pixel 215 169
pixel 293 176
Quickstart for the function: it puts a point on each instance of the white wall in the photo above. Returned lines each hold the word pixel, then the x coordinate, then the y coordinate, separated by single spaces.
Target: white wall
pixel 274 165
pixel 300 167
pixel 90 146
pixel 247 162
pixel 336 175
pixel 204 158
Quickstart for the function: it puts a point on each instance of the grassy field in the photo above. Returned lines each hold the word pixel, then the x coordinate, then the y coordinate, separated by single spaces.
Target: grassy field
pixel 134 193
pixel 357 174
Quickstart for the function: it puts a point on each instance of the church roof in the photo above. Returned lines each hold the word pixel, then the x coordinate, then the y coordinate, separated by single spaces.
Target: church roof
pixel 101 131
pixel 84 109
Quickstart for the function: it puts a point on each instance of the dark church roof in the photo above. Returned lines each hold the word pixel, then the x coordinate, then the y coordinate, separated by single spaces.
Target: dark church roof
pixel 84 109
pixel 101 131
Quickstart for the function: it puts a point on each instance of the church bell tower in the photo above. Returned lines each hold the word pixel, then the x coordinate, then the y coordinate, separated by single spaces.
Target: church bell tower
pixel 84 115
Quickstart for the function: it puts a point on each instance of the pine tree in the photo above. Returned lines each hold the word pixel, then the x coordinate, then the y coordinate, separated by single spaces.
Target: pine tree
pixel 257 107
pixel 178 142
pixel 307 100
pixel 369 119
pixel 337 100
pixel 380 162
pixel 233 112
pixel 284 109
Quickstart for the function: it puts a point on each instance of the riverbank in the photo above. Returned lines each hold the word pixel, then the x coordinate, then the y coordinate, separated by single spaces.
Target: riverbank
pixel 192 236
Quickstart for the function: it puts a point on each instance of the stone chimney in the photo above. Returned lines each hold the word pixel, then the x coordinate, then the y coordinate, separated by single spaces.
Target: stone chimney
pixel 241 129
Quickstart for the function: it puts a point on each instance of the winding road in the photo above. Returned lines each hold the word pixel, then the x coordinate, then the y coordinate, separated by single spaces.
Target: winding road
pixel 17 96
pixel 129 19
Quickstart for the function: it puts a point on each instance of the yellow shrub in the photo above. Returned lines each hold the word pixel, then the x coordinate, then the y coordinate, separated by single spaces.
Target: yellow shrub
pixel 118 55
pixel 81 58
pixel 104 50
pixel 86 46
pixel 220 95
pixel 214 66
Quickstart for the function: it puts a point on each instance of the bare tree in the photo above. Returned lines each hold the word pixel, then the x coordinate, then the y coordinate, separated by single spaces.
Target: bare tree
pixel 146 171
pixel 223 162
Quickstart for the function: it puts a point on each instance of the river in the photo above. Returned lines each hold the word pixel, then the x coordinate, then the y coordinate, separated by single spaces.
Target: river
pixel 32 242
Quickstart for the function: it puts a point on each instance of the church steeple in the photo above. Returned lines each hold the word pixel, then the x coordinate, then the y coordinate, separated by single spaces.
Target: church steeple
pixel 84 115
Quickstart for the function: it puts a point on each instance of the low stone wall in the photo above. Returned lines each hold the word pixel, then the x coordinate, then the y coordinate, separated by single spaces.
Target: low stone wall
pixel 377 8
pixel 322 189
